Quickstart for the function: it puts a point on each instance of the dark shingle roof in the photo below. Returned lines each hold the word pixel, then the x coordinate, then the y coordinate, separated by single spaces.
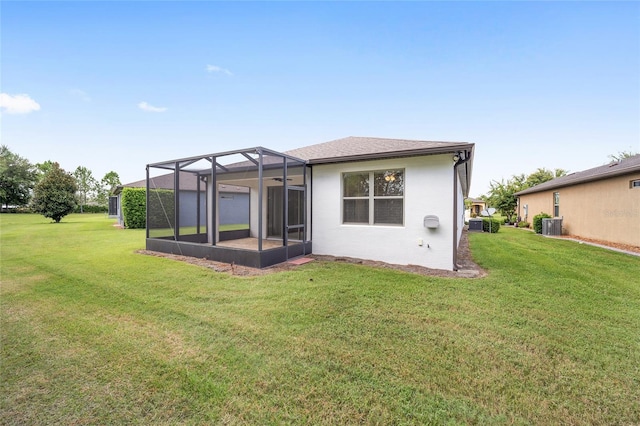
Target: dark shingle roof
pixel 346 150
pixel 366 148
pixel 188 182
pixel 363 148
pixel 623 167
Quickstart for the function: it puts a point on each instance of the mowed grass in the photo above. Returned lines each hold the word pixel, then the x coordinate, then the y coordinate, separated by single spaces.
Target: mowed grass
pixel 93 333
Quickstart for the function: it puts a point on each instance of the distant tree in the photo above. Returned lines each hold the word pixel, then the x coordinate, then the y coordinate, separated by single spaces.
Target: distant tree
pixel 105 188
pixel 111 180
pixel 86 184
pixel 43 168
pixel 621 155
pixel 17 178
pixel 55 195
pixel 502 195
pixel 543 175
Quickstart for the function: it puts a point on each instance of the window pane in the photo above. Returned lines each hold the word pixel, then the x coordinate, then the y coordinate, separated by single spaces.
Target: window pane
pixel 388 211
pixel 356 184
pixel 389 182
pixel 356 211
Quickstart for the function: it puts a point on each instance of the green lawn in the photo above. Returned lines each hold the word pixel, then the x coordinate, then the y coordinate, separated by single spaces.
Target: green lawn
pixel 192 230
pixel 233 227
pixel 93 333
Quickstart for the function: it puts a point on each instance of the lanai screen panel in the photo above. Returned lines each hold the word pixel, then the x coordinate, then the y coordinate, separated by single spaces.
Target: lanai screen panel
pixel 192 207
pixel 183 204
pixel 161 217
pixel 296 201
pixel 273 182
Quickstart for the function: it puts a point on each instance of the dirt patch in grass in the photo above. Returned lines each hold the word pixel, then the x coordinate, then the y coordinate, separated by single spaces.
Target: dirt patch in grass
pixel 467 267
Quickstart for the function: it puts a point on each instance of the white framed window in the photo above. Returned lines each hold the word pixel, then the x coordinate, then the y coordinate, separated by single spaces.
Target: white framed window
pixel 373 197
pixel 634 184
pixel 556 204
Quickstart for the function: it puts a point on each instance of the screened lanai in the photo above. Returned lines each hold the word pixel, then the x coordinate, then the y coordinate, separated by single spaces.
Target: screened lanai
pixel 183 216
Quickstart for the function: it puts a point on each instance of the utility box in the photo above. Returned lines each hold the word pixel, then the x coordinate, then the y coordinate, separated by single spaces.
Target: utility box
pixel 552 226
pixel 431 221
pixel 475 224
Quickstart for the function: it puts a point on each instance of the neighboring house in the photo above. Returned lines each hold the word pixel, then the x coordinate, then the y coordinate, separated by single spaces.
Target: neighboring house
pixel 233 205
pixel 234 200
pixel 601 203
pixel 476 205
pixel 390 200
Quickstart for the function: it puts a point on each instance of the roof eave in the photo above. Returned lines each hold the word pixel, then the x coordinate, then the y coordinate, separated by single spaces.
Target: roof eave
pixel 450 149
pixel 464 169
pixel 578 181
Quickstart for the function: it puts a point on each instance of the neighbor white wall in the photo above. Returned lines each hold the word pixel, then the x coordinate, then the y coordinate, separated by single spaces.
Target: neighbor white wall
pixel 428 190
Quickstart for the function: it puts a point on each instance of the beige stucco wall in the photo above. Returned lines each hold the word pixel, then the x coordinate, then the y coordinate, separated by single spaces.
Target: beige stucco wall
pixel 607 209
pixel 475 208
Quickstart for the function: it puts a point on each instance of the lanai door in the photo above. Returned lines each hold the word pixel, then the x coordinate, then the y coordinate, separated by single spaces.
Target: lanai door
pixel 295 213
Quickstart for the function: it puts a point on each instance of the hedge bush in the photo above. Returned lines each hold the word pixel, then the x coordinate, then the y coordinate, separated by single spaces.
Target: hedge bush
pixel 537 222
pixel 161 208
pixel 162 211
pixel 91 209
pixel 133 206
pixel 523 224
pixel 490 225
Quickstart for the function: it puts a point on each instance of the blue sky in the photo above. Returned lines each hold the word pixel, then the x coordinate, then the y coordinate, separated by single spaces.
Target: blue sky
pixel 117 85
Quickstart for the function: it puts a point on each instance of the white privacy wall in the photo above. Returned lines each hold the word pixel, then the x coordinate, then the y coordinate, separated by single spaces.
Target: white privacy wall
pixel 428 191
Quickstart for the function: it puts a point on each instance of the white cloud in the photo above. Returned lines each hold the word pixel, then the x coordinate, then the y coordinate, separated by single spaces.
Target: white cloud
pixel 18 104
pixel 150 108
pixel 215 68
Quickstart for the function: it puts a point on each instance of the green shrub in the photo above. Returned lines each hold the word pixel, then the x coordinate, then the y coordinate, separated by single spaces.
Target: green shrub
pixel 91 209
pixel 134 209
pixel 537 222
pixel 523 224
pixel 162 210
pixel 490 225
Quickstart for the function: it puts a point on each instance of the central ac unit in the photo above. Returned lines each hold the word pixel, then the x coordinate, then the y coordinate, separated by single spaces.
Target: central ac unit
pixel 552 226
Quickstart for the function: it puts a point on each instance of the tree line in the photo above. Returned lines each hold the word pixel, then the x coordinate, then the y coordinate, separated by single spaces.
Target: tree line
pixel 48 189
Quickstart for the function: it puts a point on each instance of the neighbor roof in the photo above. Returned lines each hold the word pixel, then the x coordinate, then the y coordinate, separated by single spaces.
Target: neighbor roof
pixel 475 200
pixel 618 168
pixel 354 148
pixel 188 182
